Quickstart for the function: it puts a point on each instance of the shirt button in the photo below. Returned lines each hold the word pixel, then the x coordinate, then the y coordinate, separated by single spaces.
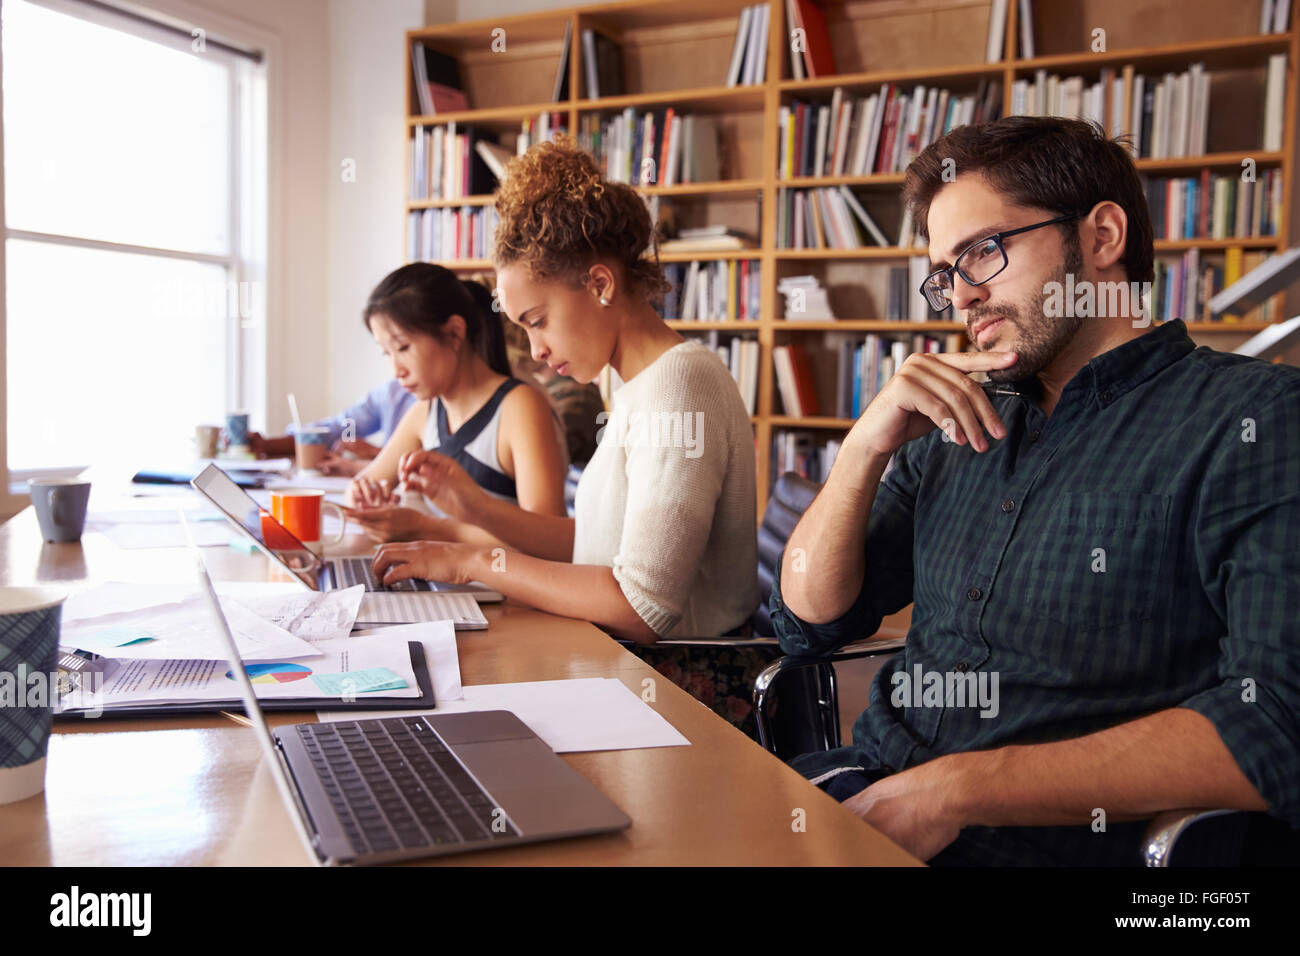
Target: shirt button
pixel 1033 435
pixel 974 594
pixel 1105 396
pixel 1008 505
pixel 960 667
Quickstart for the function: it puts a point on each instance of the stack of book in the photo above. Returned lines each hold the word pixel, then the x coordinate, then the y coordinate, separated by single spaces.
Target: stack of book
pixel 446 164
pixel 826 218
pixel 880 133
pixel 1215 206
pixel 439 235
pixel 800 452
pixel 749 53
pixel 712 291
pixel 794 379
pixel 657 148
pixel 805 299
pixel 708 239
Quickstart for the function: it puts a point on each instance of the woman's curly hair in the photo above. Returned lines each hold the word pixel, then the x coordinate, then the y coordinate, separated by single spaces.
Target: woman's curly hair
pixel 557 216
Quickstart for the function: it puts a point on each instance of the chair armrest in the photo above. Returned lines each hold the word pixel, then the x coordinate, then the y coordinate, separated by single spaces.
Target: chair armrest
pixel 826 703
pixel 1165 829
pixel 849 652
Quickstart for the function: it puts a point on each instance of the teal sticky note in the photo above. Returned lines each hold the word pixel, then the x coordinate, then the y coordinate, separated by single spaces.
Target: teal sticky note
pixel 117 636
pixel 358 682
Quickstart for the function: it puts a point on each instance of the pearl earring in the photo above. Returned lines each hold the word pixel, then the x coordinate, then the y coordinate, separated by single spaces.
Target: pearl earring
pixel 604 301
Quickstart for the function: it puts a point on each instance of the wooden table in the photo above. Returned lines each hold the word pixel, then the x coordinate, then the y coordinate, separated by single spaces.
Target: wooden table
pixel 189 790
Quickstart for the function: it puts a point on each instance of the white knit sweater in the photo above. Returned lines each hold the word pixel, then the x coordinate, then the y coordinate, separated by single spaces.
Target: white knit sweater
pixel 668 500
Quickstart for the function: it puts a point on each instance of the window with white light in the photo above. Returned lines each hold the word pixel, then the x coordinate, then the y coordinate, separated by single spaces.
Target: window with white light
pixel 135 235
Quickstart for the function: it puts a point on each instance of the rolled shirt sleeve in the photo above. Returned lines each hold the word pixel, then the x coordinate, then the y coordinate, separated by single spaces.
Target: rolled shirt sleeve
pixel 888 576
pixel 1248 556
pixel 365 417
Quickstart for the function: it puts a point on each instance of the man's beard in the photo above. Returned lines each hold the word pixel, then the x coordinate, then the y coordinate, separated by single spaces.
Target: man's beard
pixel 1039 339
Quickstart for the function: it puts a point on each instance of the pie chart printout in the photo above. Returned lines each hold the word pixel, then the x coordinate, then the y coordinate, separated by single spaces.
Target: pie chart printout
pixel 278 673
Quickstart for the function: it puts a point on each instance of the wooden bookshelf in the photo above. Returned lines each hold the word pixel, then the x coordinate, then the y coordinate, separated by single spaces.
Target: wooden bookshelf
pixel 675 53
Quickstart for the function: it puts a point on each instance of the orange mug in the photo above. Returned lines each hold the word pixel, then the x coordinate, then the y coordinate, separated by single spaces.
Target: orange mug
pixel 299 510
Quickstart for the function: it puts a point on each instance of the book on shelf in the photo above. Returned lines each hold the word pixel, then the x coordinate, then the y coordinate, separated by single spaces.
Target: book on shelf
pixel 450 233
pixel 997 31
pixel 560 90
pixel 1213 206
pixel 794 379
pixel 446 163
pixel 1026 18
pixel 802 453
pixel 815 58
pixel 495 156
pixel 602 63
pixel 879 133
pixel 1183 288
pixel 748 64
pixel 805 299
pixel 540 129
pixel 866 364
pixel 1166 116
pixel 712 291
pixel 1274 16
pixel 740 355
pixel 708 239
pixel 830 218
pixel 437 81
pixel 657 147
pixel 1274 101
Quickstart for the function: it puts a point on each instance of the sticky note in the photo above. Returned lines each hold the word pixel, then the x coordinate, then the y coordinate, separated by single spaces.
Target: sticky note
pixel 358 682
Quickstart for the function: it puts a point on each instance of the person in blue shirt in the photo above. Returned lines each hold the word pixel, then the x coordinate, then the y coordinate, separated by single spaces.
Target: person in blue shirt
pixel 377 414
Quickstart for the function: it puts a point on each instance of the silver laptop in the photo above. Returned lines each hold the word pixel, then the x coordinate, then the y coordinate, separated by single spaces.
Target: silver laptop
pixel 399 788
pixel 383 604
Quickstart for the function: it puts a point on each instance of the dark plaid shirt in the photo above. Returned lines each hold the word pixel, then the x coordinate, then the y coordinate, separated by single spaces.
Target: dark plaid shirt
pixel 1176 469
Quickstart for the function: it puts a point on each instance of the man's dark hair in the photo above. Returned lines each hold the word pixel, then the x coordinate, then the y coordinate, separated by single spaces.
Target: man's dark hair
pixel 1061 165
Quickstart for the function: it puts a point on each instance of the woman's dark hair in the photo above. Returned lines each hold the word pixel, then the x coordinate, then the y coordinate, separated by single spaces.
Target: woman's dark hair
pixel 1046 162
pixel 421 297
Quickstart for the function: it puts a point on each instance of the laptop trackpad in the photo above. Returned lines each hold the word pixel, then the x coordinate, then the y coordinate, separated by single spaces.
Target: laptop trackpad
pixel 538 790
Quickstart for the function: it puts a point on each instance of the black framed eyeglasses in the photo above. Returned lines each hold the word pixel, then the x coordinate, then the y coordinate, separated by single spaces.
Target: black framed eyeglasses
pixel 978 263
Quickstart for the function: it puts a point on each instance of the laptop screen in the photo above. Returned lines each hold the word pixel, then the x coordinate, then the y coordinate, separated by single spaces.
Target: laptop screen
pixel 274 538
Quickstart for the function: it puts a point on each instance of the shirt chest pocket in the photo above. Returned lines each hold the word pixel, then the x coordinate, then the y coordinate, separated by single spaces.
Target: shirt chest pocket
pixel 1099 560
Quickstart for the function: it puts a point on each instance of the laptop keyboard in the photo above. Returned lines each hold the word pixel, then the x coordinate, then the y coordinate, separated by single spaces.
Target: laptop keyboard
pixel 353 571
pixel 394 785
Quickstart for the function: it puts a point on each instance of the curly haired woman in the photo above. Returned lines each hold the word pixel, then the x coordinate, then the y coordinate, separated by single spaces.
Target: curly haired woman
pixel 664 540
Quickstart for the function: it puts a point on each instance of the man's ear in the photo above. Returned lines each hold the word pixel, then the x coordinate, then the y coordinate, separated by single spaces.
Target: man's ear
pixel 1107 227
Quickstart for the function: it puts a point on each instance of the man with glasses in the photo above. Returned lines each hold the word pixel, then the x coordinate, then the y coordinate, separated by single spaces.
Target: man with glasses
pixel 1098 542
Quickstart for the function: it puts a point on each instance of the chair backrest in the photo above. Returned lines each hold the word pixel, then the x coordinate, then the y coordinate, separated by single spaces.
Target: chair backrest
pixel 789 500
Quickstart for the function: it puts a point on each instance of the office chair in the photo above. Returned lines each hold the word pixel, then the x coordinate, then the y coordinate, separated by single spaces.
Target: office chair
pixel 1263 839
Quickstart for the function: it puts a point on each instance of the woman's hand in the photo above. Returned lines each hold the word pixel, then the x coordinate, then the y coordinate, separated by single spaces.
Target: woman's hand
pixel 394 523
pixel 430 560
pixel 365 493
pixel 443 481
